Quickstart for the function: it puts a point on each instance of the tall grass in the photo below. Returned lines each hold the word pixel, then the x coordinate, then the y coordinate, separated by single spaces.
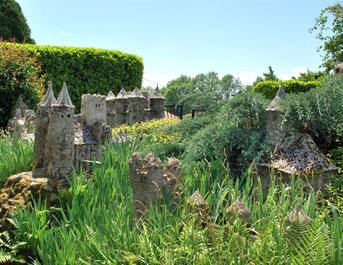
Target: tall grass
pixel 14 159
pixel 96 227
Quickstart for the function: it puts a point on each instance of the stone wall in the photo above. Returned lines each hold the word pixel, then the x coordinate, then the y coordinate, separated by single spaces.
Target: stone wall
pixel 134 107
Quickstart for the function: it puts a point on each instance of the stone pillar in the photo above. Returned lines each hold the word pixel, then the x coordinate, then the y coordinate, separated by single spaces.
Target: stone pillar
pixel 157 104
pixel 275 131
pixel 60 138
pixel 42 124
pixel 121 108
pixel 110 110
pixel 136 106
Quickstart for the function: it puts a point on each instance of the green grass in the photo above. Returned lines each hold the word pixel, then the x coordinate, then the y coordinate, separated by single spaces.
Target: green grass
pixel 14 159
pixel 95 225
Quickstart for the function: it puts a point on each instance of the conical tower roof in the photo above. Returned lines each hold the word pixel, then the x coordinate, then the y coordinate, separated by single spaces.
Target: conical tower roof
pixel 136 94
pixel 281 94
pixel 122 93
pixel 157 93
pixel 110 96
pixel 49 97
pixel 63 98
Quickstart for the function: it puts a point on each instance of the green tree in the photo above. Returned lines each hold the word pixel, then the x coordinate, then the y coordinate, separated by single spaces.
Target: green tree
pixel 329 29
pixel 13 23
pixel 270 76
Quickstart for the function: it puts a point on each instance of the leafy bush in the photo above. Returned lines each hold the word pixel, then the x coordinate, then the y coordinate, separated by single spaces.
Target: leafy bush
pixel 269 88
pixel 20 74
pixel 150 128
pixel 88 70
pixel 14 159
pixel 318 112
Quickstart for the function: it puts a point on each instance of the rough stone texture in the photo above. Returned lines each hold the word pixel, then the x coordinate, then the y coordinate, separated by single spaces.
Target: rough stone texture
pixel 42 125
pixel 60 138
pixel 148 179
pixel 339 68
pixel 275 130
pixel 134 107
pixel 297 216
pixel 18 191
pixel 240 210
pixel 20 105
pixel 198 204
pixel 93 109
pixel 293 154
pixel 64 141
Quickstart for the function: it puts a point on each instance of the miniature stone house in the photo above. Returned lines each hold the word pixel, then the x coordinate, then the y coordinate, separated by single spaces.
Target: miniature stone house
pixel 64 141
pixel 134 107
pixel 293 154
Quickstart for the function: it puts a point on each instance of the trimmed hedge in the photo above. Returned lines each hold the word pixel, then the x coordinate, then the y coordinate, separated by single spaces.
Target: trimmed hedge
pixel 269 88
pixel 88 70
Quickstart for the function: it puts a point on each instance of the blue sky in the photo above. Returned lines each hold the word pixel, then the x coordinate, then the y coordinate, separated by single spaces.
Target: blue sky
pixel 189 37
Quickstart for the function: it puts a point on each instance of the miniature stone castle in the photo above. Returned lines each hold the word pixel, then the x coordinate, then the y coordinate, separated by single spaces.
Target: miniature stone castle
pixel 63 140
pixel 134 107
pixel 148 179
pixel 293 154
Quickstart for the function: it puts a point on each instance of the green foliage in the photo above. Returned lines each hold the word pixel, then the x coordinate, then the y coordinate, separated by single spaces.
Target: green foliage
pixel 13 24
pixel 329 29
pixel 311 76
pixel 14 159
pixel 269 88
pixel 10 250
pixel 318 112
pixel 20 74
pixel 88 70
pixel 204 90
pixel 96 227
pixel 236 133
pixel 153 128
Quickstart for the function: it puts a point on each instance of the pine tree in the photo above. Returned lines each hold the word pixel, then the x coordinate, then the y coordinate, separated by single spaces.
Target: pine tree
pixel 13 23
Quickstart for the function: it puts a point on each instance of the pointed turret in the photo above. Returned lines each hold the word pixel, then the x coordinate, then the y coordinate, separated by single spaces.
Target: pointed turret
pixel 281 94
pixel 110 96
pixel 122 93
pixel 49 97
pixel 63 98
pixel 136 94
pixel 157 93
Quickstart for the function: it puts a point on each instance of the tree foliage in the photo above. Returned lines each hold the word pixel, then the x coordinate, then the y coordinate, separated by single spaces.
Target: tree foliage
pixel 329 29
pixel 204 90
pixel 13 24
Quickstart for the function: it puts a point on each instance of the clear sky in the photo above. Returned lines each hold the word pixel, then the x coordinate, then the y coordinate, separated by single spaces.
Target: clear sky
pixel 174 37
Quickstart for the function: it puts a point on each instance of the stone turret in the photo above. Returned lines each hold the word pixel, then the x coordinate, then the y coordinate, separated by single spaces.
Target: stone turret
pixel 136 106
pixel 93 108
pixel 60 138
pixel 149 178
pixel 110 109
pixel 41 132
pixel 276 131
pixel 157 104
pixel 121 107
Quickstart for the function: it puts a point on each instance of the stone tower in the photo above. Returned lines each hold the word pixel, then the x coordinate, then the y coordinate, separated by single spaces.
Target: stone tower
pixel 157 104
pixel 136 106
pixel 93 109
pixel 60 138
pixel 276 132
pixel 110 110
pixel 121 108
pixel 41 132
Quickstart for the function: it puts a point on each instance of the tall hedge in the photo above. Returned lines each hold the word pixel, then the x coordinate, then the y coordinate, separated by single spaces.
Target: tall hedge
pixel 269 88
pixel 88 70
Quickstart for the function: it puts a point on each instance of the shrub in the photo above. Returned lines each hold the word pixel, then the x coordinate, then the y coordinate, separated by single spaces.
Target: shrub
pixel 318 112
pixel 150 128
pixel 20 74
pixel 88 70
pixel 269 88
